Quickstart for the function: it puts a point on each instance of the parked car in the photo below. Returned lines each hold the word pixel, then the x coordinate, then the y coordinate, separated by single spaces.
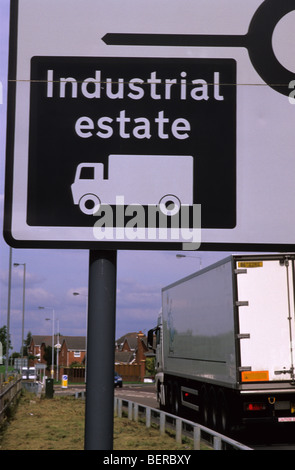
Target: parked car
pixel 118 380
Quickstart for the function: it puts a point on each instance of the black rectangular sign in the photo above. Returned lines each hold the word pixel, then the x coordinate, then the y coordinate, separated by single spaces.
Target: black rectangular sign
pixel 89 115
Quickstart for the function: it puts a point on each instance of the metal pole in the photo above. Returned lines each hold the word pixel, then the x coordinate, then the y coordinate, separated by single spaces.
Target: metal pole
pixel 101 350
pixel 86 318
pixel 8 315
pixel 52 351
pixel 57 350
pixel 23 317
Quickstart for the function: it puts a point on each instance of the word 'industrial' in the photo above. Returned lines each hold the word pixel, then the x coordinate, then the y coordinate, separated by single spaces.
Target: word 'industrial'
pixel 157 89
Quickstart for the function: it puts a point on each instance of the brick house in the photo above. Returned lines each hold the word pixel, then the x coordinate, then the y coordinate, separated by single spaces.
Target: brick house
pixel 131 348
pixel 130 356
pixel 73 349
pixel 37 348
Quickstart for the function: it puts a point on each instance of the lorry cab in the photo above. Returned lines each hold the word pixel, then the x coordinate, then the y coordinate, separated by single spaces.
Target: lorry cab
pixel 155 342
pixel 86 184
pixel 88 171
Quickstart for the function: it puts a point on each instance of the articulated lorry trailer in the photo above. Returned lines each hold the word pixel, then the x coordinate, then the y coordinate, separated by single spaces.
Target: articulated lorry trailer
pixel 224 342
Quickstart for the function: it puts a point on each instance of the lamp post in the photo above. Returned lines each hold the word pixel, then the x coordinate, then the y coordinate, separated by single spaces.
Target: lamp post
pixel 58 346
pixel 52 353
pixel 23 317
pixel 86 310
pixel 8 315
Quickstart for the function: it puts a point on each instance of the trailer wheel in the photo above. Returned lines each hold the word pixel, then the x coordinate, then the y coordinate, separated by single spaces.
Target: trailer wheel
pixel 213 409
pixel 159 395
pixel 224 420
pixel 89 204
pixel 170 396
pixel 204 403
pixel 176 400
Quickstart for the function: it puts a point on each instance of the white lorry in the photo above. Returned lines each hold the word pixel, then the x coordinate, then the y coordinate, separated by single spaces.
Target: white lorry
pixel 166 180
pixel 224 342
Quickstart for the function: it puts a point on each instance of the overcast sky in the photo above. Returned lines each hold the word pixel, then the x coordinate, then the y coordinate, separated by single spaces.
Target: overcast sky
pixel 53 275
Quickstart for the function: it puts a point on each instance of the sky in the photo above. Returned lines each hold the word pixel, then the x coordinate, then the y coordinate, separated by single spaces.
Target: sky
pixel 53 275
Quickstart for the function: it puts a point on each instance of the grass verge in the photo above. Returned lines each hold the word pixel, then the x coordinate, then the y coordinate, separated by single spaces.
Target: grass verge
pixel 58 424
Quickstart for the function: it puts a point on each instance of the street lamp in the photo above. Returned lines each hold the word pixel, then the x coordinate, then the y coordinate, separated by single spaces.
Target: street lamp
pixel 58 346
pixel 52 353
pixel 23 317
pixel 190 256
pixel 86 309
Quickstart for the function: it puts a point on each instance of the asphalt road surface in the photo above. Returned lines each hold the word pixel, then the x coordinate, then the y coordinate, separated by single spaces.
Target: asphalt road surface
pixel 143 394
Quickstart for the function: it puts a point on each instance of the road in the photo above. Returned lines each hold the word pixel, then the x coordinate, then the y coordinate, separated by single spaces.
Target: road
pixel 143 394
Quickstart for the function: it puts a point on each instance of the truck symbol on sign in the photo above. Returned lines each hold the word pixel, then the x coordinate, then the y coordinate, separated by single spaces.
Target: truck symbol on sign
pixel 162 180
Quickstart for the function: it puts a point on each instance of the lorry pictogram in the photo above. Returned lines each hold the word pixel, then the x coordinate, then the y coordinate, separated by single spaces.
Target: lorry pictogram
pixel 145 180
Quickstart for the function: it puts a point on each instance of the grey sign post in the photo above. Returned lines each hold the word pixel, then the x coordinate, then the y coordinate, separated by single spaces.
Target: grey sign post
pixel 100 350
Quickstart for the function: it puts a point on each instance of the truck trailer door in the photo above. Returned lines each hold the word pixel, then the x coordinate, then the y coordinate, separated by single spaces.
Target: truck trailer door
pixel 266 319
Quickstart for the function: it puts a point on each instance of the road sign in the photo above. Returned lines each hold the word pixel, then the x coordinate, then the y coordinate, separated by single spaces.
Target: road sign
pixel 157 127
pixel 64 381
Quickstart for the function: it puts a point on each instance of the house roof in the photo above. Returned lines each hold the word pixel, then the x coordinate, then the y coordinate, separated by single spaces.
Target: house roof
pixel 131 339
pixel 128 337
pixel 72 342
pixel 124 357
pixel 79 342
pixel 40 339
pixel 75 342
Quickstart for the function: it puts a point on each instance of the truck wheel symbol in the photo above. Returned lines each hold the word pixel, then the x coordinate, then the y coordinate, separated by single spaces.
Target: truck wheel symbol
pixel 169 204
pixel 89 204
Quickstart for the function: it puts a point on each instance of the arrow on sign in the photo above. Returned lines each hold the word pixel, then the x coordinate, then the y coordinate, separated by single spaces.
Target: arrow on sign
pixel 138 39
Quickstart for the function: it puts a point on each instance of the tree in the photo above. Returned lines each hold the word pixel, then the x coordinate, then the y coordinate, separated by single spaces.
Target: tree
pixel 150 365
pixel 15 355
pixel 27 343
pixel 3 339
pixel 47 356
